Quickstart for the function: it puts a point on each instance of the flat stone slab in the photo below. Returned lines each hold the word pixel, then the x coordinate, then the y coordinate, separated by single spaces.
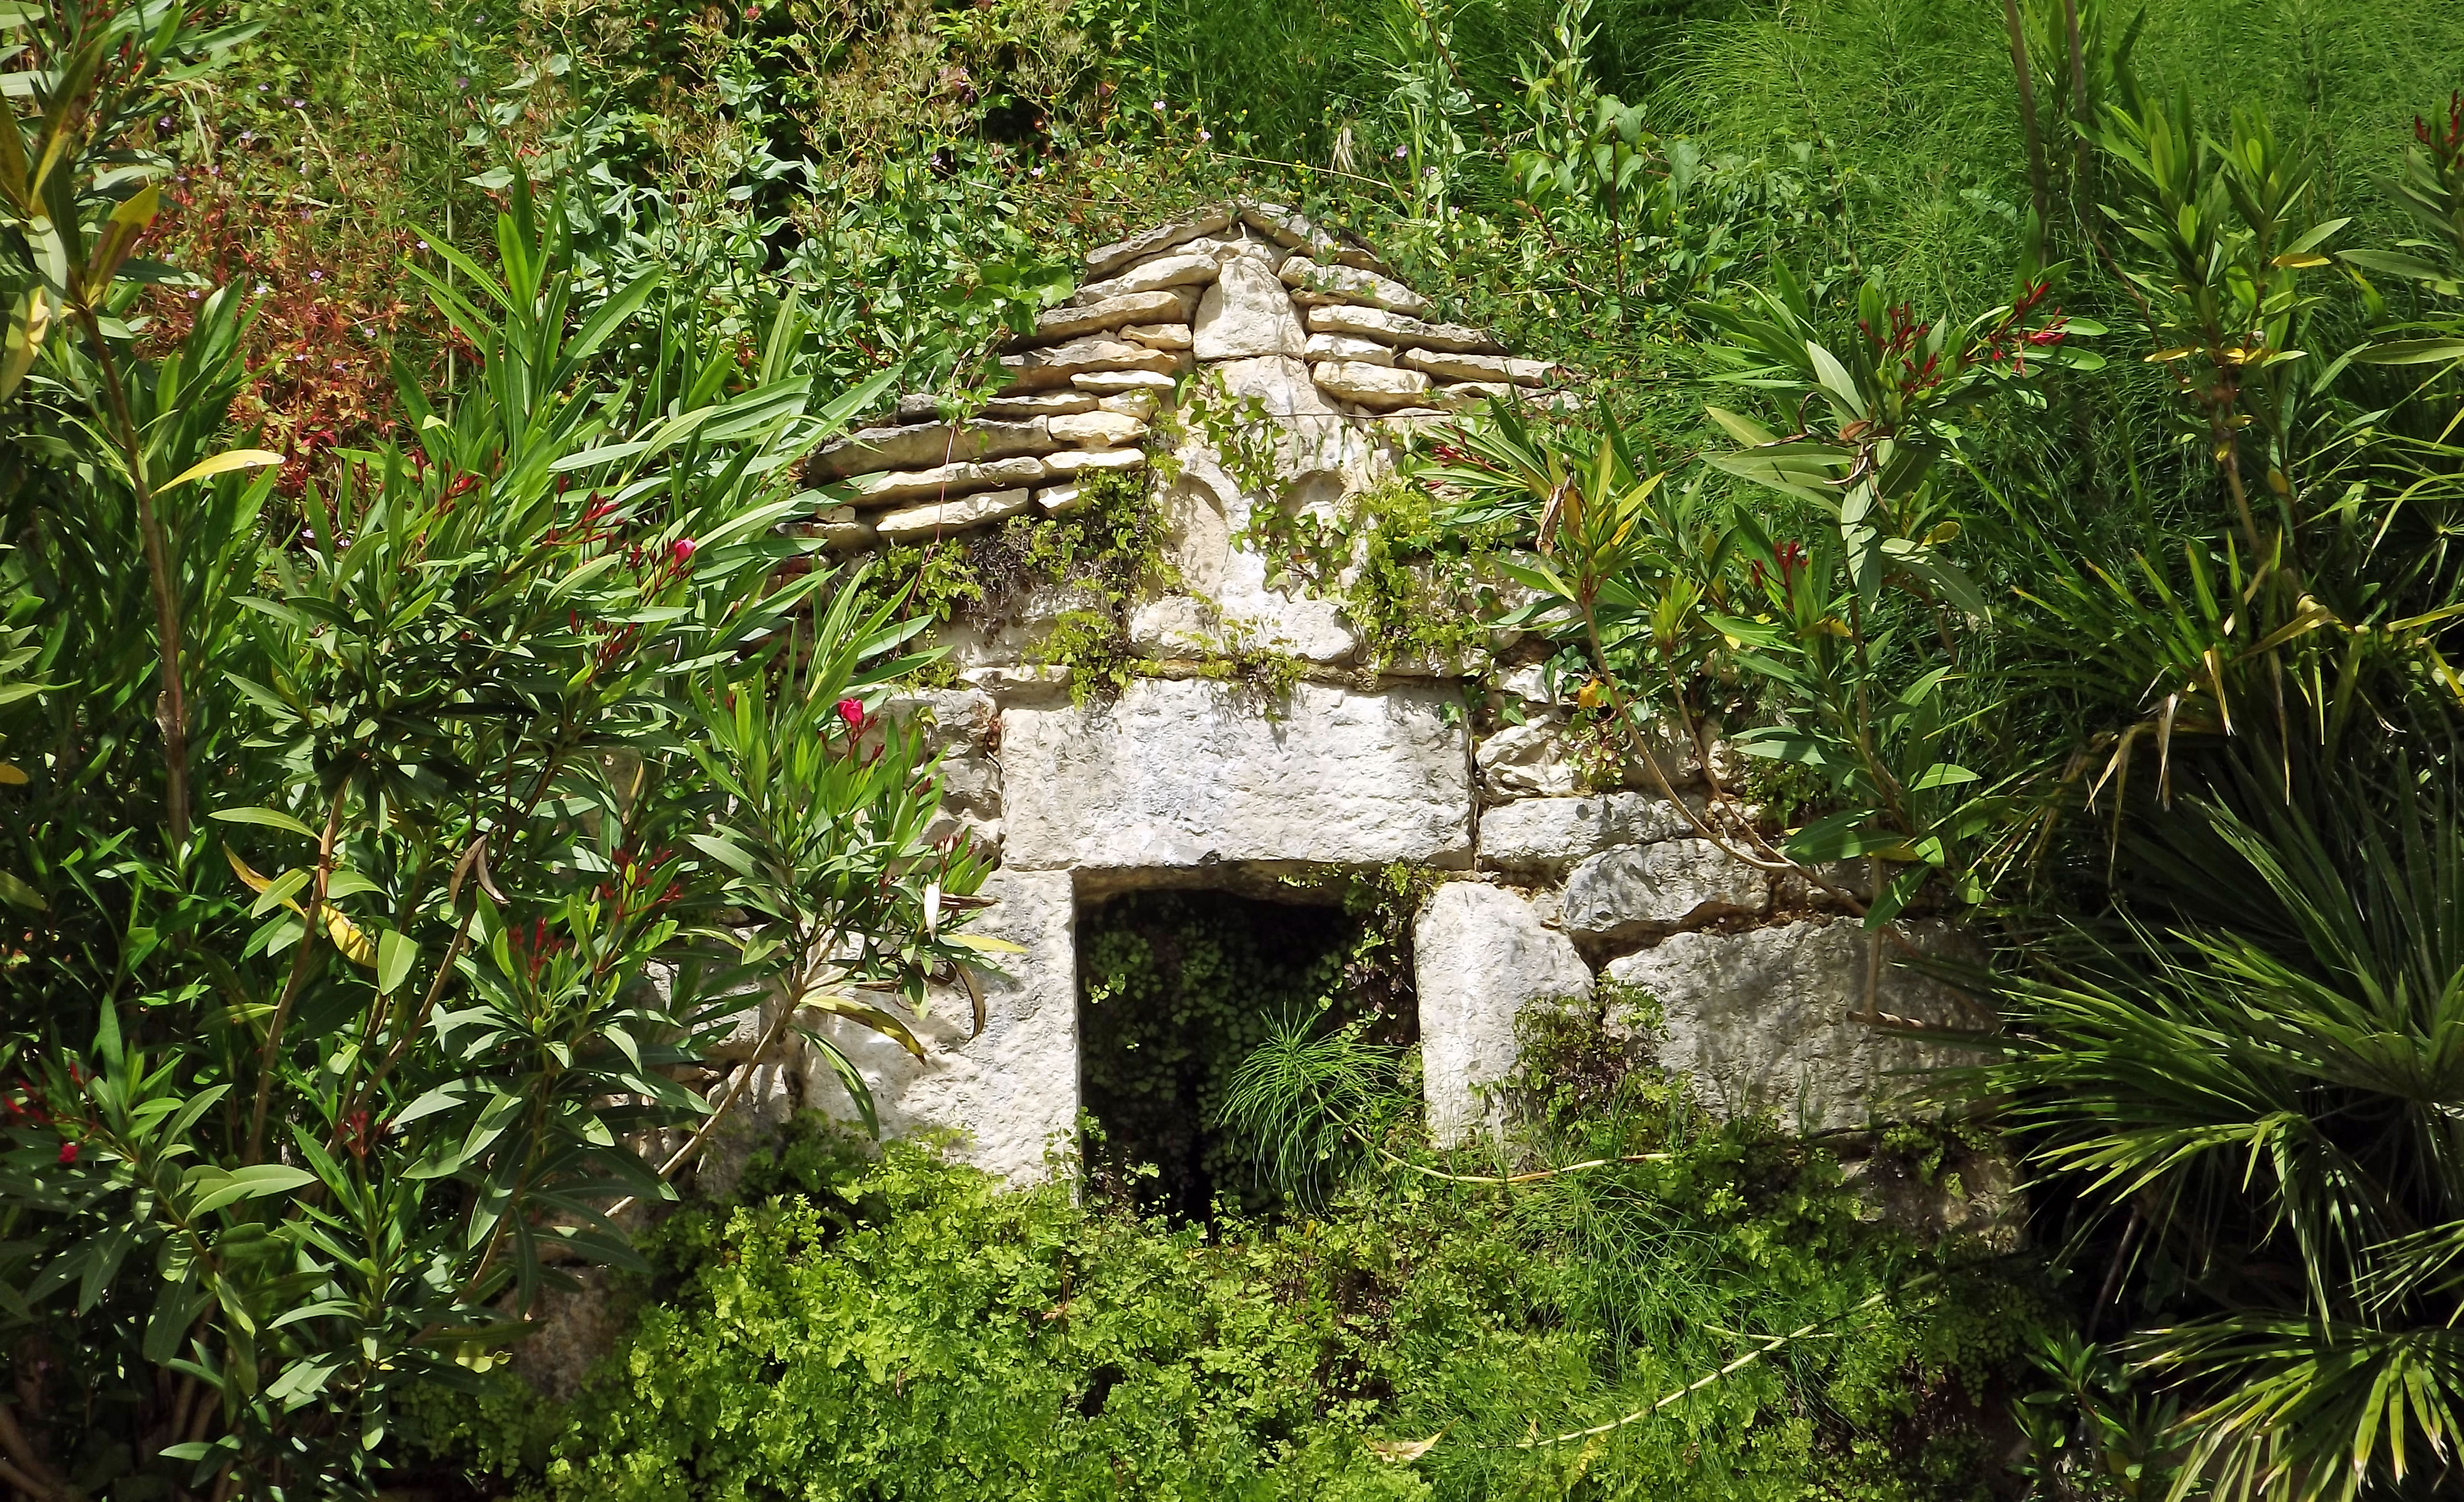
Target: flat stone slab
pixel 1480 955
pixel 1044 370
pixel 1315 283
pixel 925 445
pixel 1194 773
pixel 1487 369
pixel 948 480
pixel 1394 328
pixel 1371 386
pixel 1180 269
pixel 1765 1021
pixel 952 516
pixel 1106 259
pixel 1551 833
pixel 1159 306
pixel 1635 891
pixel 1011 1091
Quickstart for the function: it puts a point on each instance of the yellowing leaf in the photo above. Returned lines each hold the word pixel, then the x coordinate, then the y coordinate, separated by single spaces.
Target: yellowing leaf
pixel 27 322
pixel 985 943
pixel 12 775
pixel 1403 1452
pixel 354 945
pixel 226 460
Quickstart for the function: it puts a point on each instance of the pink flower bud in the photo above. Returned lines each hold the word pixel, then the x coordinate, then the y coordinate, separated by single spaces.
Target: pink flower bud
pixel 852 712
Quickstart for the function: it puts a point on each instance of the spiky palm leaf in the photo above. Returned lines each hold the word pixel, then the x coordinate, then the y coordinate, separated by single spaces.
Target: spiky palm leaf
pixel 2274 1085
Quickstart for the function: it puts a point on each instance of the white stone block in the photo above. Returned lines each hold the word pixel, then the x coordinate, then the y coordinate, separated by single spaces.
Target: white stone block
pixel 1765 1020
pixel 1480 955
pixel 1191 773
pixel 1106 259
pixel 1378 387
pixel 952 516
pixel 1346 346
pixel 1634 890
pixel 1011 1092
pixel 1313 283
pixel 1551 833
pixel 1096 430
pixel 1247 315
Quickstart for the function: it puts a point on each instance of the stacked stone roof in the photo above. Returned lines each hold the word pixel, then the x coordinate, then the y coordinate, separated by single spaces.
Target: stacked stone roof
pixel 1235 282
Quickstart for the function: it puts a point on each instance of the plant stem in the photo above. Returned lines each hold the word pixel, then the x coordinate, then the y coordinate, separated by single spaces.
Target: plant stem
pixel 316 911
pixel 2038 190
pixel 171 713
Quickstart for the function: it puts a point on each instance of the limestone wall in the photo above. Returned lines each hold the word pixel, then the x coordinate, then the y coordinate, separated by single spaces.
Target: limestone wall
pixel 1467 768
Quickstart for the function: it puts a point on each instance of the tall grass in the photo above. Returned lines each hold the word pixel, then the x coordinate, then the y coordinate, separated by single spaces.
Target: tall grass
pixel 1911 100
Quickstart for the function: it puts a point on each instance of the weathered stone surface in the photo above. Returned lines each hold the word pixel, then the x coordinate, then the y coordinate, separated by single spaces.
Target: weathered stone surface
pixel 1158 336
pixel 1140 405
pixel 1458 367
pixel 947 480
pixel 1456 396
pixel 1371 386
pixel 1116 382
pixel 1059 500
pixel 925 444
pixel 1315 283
pixel 1313 630
pixel 1172 626
pixel 1346 346
pixel 1634 890
pixel 1096 430
pixel 1246 315
pixel 952 516
pixel 1551 833
pixel 1289 229
pixel 1072 463
pixel 1183 269
pixel 841 535
pixel 1106 259
pixel 1014 681
pixel 1480 955
pixel 1239 248
pixel 1187 773
pixel 1528 759
pixel 1394 328
pixel 1162 306
pixel 1762 1020
pixel 1043 369
pixel 1012 1088
pixel 1046 404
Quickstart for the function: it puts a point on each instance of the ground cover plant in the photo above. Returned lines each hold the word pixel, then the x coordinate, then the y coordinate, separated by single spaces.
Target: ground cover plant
pixel 2029 433
pixel 900 1327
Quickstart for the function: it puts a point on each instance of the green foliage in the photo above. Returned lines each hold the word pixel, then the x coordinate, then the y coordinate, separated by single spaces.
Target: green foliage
pixel 909 1328
pixel 1175 992
pixel 511 721
pixel 2263 1081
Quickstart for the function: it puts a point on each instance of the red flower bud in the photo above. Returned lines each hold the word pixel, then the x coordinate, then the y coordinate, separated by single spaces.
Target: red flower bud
pixel 67 1152
pixel 853 713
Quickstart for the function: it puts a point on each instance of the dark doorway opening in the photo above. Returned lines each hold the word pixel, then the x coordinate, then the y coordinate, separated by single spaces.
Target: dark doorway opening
pixel 1176 988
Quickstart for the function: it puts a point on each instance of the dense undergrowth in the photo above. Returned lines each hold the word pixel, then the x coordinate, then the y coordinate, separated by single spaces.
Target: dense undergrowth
pixel 898 1327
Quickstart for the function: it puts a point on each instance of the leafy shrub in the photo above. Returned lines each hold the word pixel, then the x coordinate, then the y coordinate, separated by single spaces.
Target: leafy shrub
pixel 912 1328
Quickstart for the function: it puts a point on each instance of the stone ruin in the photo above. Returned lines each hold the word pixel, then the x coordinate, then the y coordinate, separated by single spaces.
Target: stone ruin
pixel 1185 780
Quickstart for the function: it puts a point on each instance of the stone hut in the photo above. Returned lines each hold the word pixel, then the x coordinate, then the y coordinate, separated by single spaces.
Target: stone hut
pixel 1183 780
